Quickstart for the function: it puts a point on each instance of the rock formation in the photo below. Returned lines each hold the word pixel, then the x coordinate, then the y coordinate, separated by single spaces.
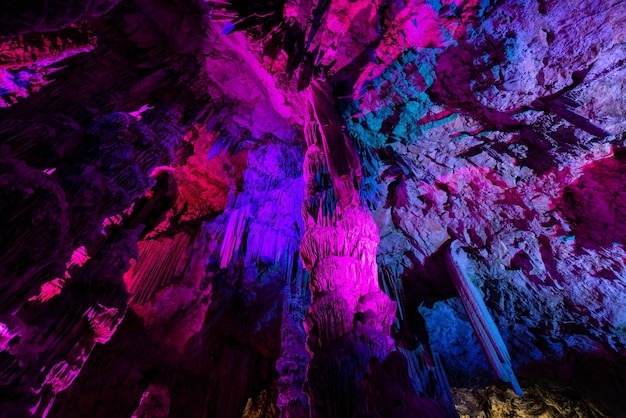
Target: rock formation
pixel 312 208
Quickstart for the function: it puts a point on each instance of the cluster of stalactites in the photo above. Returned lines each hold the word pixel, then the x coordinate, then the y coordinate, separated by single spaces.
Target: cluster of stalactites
pixel 325 130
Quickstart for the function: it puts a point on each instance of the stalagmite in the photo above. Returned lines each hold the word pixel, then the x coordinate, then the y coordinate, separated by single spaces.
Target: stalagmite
pixel 348 323
pixel 291 365
pixel 486 330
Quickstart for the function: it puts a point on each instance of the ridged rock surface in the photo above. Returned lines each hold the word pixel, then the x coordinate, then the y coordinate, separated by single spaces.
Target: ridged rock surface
pixel 325 208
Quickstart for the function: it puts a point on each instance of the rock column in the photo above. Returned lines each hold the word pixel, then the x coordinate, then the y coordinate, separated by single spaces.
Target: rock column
pixel 349 319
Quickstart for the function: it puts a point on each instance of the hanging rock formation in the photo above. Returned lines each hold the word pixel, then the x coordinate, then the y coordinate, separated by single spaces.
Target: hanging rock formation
pixel 312 208
pixel 482 323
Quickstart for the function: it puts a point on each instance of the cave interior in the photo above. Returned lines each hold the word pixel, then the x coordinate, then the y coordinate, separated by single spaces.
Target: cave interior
pixel 312 208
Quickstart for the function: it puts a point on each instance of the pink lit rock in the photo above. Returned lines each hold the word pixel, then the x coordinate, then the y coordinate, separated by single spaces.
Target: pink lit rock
pixel 348 322
pixel 49 290
pixel 216 208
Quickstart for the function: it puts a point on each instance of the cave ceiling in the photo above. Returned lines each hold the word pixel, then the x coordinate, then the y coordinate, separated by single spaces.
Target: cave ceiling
pixel 312 208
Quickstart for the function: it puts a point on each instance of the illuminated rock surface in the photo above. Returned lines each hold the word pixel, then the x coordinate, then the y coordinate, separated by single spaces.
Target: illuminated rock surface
pixel 322 208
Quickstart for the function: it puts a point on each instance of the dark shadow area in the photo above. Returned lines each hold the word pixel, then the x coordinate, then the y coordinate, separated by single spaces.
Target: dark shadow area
pixel 595 204
pixel 219 369
pixel 601 379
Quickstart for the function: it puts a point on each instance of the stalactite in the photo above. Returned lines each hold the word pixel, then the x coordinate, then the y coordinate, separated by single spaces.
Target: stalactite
pixel 442 389
pixel 485 328
pixel 329 321
pixel 233 235
pixel 160 263
pixel 76 310
pixel 425 368
pixel 26 62
pixel 392 285
pixel 429 378
pixel 342 160
pixel 261 228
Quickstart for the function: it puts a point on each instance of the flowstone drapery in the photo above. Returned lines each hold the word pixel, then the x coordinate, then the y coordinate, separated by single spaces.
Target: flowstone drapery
pixel 348 322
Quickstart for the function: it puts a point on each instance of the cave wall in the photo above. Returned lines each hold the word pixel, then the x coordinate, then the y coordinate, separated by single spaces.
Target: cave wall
pixel 241 208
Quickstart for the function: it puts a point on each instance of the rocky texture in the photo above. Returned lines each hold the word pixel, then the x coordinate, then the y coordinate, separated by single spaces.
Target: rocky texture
pixel 487 165
pixel 339 249
pixel 204 201
pixel 348 322
pixel 291 366
pixel 479 316
pixel 27 62
pixel 541 400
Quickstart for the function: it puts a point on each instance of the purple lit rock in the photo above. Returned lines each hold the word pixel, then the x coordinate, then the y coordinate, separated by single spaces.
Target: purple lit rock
pixel 242 208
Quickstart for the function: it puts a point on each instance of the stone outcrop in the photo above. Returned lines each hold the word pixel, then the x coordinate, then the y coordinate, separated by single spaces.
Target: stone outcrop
pixel 312 208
